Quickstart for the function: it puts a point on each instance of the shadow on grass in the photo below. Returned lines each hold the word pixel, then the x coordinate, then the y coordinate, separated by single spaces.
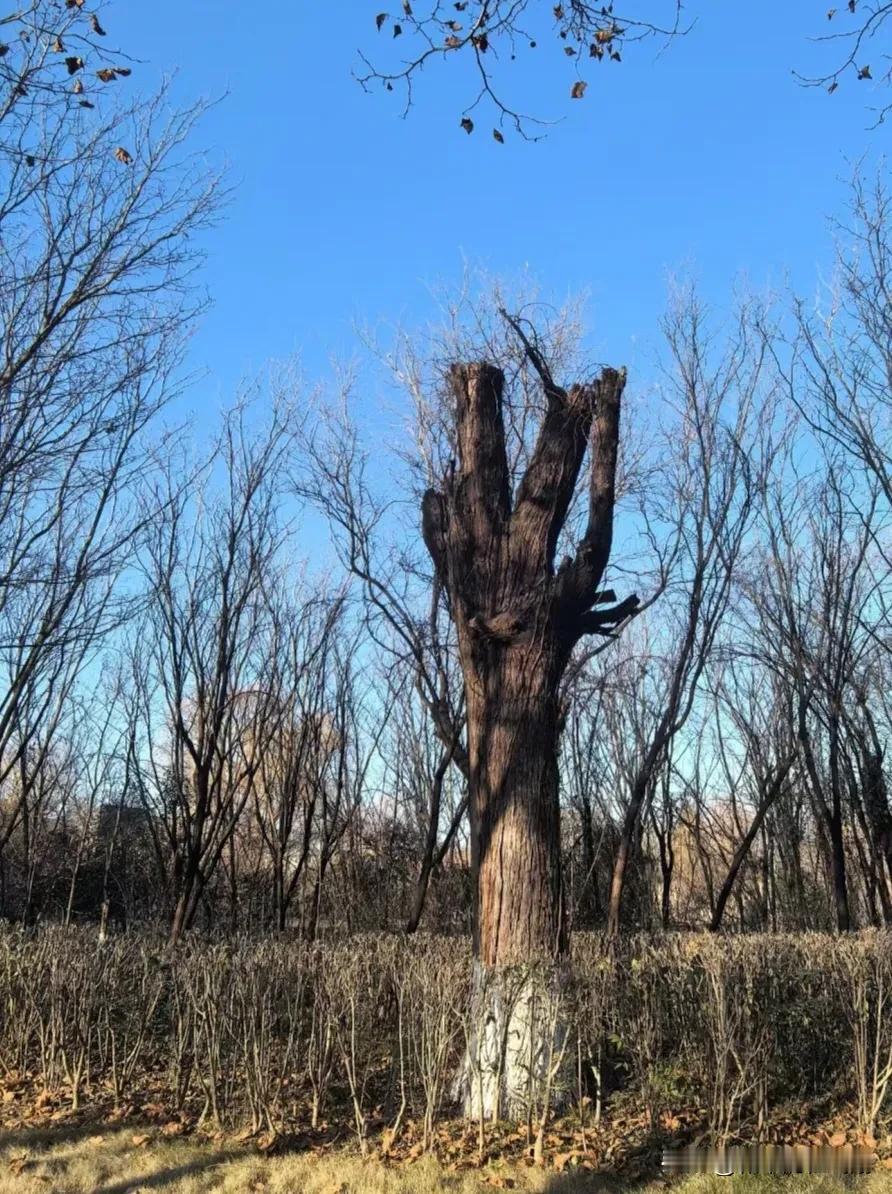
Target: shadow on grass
pixel 52 1134
pixel 167 1177
pixel 597 1183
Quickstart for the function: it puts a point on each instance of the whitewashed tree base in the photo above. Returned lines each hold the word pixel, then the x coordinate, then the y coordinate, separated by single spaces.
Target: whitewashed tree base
pixel 516 1057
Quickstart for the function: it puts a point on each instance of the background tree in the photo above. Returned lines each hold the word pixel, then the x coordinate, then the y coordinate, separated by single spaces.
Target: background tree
pixel 99 213
pixel 717 465
pixel 202 697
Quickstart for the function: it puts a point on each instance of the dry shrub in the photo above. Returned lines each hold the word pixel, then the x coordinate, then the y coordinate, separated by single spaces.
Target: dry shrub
pixel 373 1031
pixel 862 972
pixel 430 982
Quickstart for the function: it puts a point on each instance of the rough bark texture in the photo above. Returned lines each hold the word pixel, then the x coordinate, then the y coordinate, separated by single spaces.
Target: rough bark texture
pixel 517 620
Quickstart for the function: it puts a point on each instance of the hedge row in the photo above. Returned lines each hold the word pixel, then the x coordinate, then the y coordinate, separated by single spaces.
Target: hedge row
pixel 373 1029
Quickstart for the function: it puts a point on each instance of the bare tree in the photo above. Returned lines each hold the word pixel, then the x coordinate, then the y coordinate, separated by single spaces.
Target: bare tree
pixel 518 617
pixel 96 296
pixel 492 521
pixel 201 658
pixel 721 451
pixel 294 768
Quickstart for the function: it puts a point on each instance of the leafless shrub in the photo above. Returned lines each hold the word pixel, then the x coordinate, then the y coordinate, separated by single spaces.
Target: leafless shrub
pixel 862 970
pixel 431 985
pixel 360 1001
pixel 380 1032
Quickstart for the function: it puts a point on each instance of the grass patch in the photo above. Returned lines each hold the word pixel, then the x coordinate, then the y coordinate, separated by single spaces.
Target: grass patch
pixel 83 1160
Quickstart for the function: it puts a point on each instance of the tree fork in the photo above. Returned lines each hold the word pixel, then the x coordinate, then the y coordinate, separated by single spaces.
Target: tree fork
pixel 517 620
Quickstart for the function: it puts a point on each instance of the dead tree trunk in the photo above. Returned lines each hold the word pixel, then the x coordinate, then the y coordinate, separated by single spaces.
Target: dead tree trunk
pixel 517 619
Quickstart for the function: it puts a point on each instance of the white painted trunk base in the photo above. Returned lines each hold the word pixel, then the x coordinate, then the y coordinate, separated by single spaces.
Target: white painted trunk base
pixel 515 1061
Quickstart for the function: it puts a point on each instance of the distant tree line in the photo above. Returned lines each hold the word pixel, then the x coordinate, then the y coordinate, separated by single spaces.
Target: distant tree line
pixel 198 728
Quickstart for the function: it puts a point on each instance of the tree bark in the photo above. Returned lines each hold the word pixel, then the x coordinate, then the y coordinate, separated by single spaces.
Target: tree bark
pixel 515 826
pixel 517 620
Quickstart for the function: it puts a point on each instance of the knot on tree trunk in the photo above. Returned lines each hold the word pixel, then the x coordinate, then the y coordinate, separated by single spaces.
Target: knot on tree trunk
pixel 504 627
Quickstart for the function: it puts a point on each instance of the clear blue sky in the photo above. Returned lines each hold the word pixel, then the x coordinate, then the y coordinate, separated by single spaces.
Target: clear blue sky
pixel 708 156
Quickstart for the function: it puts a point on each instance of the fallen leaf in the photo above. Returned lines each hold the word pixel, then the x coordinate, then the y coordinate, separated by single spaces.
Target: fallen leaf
pixel 139 1141
pixel 562 1160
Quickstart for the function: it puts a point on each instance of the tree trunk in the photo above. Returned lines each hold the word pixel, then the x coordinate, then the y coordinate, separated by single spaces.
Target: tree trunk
pixel 520 936
pixel 769 795
pixel 589 904
pixel 515 820
pixel 517 619
pixel 667 867
pixel 840 885
pixel 432 855
pixel 623 857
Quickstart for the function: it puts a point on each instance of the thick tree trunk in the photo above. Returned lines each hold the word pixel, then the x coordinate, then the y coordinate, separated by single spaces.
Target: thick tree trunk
pixel 516 1030
pixel 515 816
pixel 517 619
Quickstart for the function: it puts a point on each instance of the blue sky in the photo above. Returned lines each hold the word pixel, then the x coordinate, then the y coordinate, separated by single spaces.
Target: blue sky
pixel 707 157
